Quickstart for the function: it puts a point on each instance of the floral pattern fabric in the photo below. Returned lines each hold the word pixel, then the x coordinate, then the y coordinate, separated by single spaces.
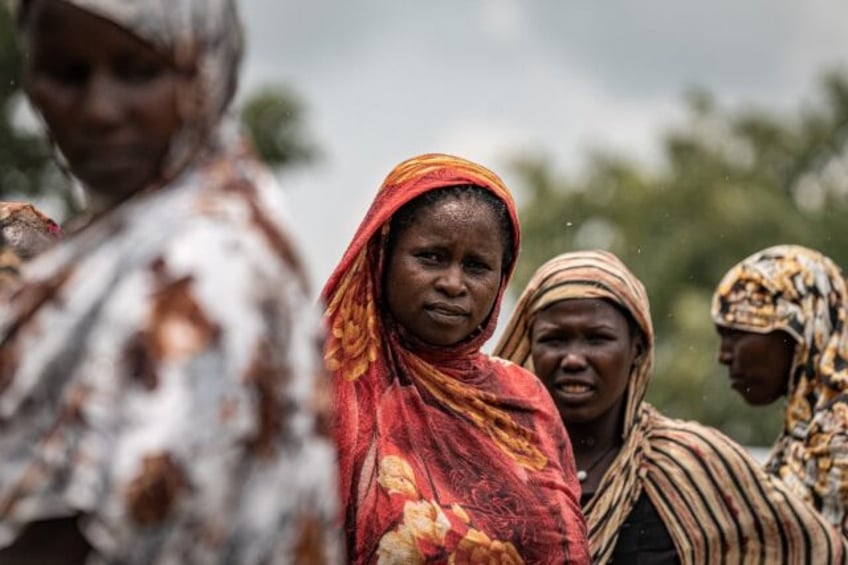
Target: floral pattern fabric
pixel 446 454
pixel 160 370
pixel 803 293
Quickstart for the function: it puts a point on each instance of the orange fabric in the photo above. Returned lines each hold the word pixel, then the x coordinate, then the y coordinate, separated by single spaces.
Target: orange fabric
pixel 445 453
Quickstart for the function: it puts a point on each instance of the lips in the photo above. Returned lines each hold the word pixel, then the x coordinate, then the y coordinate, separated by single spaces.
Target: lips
pixel 573 390
pixel 446 309
pixel 110 169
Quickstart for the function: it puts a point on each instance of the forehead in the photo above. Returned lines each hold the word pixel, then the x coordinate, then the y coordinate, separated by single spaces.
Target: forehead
pixel 592 309
pixel 61 25
pixel 454 212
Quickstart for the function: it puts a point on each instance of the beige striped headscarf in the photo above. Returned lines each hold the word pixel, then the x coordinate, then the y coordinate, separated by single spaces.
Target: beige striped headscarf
pixel 715 501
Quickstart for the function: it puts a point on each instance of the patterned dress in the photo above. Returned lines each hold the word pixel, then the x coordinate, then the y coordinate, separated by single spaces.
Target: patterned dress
pixel 160 372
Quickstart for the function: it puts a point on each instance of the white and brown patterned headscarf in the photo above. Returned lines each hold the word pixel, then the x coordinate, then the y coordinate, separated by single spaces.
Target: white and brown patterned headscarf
pixel 203 39
pixel 801 292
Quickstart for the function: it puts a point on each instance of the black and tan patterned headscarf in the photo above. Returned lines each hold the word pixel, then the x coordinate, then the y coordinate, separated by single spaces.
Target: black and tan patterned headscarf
pixel 801 292
pixel 715 501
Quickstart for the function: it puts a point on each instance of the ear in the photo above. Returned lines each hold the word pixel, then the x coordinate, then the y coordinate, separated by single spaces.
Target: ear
pixel 639 348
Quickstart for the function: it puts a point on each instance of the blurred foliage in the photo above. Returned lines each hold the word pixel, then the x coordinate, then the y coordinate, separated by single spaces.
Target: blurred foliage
pixel 25 164
pixel 272 116
pixel 730 183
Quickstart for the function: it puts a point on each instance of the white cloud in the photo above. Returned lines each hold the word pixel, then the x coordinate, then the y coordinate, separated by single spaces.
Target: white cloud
pixel 383 80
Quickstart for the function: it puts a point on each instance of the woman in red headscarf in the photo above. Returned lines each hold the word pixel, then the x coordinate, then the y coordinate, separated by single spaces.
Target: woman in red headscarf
pixel 446 454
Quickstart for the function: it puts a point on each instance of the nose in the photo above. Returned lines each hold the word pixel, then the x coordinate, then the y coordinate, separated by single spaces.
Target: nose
pixel 451 281
pixel 100 107
pixel 573 360
pixel 725 350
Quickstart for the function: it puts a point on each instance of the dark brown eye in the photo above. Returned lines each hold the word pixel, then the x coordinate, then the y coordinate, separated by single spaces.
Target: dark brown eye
pixel 139 71
pixel 68 73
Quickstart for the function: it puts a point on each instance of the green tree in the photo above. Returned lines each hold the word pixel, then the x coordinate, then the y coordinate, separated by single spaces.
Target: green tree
pixel 273 117
pixel 730 183
pixel 26 167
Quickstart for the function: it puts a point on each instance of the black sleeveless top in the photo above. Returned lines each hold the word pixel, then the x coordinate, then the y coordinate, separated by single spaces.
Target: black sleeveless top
pixel 643 538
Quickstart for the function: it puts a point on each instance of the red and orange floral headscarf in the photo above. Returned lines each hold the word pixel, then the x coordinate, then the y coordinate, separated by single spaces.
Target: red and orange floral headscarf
pixel 357 330
pixel 352 292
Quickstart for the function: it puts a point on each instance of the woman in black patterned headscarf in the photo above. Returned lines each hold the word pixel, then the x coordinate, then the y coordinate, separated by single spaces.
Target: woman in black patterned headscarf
pixel 781 316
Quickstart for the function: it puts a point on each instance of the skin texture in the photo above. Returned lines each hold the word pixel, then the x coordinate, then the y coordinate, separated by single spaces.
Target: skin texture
pixel 445 271
pixel 583 350
pixel 758 364
pixel 108 98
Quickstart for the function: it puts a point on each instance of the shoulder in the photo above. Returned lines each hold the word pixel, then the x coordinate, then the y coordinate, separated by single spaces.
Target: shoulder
pixel 228 251
pixel 692 443
pixel 684 430
pixel 523 387
pixel 515 376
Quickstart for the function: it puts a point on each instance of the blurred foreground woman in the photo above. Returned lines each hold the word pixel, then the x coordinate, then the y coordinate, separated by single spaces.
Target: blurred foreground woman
pixel 447 455
pixel 160 375
pixel 655 489
pixel 781 314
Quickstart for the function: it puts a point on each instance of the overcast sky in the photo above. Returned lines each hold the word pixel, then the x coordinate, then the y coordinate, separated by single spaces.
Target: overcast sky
pixel 385 80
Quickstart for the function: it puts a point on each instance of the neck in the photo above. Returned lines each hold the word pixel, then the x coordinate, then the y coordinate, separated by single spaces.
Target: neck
pixel 588 439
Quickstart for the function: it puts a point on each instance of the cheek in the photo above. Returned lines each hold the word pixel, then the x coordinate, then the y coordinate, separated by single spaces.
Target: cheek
pixel 157 108
pixel 52 100
pixel 747 355
pixel 400 287
pixel 617 367
pixel 544 365
pixel 486 293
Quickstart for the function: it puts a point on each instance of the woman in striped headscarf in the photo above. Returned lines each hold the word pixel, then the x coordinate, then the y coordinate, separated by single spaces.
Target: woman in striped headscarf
pixel 446 454
pixel 781 316
pixel 161 382
pixel 655 489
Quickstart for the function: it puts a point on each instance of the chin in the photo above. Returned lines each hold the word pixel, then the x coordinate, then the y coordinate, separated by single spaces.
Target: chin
pixel 572 417
pixel 756 401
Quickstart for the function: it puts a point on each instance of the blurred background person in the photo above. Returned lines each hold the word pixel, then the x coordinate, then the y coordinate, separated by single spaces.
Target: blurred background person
pixel 162 389
pixel 781 315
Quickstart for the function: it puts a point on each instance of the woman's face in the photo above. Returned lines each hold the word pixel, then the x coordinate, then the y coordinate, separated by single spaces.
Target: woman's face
pixel 583 352
pixel 445 271
pixel 108 98
pixel 758 364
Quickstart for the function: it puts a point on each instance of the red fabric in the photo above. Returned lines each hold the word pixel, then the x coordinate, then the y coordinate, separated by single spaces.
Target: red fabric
pixel 445 453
